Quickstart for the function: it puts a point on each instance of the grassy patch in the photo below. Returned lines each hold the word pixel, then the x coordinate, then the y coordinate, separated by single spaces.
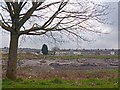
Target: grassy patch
pixel 59 83
pixel 56 81
pixel 33 56
pixel 93 79
pixel 86 56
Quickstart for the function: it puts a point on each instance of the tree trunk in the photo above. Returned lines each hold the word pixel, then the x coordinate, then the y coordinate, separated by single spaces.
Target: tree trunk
pixel 12 57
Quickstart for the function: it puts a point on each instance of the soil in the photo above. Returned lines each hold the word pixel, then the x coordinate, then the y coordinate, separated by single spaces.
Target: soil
pixel 76 64
pixel 45 69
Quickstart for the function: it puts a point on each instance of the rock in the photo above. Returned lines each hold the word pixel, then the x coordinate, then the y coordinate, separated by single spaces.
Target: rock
pixel 114 64
pixel 43 61
pixel 89 64
pixel 54 64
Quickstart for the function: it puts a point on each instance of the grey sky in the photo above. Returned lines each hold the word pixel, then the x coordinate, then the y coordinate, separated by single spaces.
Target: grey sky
pixel 101 41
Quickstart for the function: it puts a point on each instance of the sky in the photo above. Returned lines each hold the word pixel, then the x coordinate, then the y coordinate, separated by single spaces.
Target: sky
pixel 100 41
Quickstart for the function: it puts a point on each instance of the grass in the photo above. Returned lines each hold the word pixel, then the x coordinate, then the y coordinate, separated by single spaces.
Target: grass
pixel 59 83
pixel 33 56
pixel 107 79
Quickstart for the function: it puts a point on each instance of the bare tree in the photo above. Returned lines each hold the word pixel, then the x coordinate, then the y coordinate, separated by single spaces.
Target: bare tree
pixel 27 17
pixel 54 49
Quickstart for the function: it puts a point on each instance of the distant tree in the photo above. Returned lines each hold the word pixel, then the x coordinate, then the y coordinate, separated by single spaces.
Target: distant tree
pixel 54 49
pixel 44 49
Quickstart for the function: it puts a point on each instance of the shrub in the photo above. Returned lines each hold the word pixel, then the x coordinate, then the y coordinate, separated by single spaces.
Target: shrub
pixel 44 49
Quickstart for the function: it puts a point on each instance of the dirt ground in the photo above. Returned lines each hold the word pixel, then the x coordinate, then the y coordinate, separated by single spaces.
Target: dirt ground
pixel 76 64
pixel 46 69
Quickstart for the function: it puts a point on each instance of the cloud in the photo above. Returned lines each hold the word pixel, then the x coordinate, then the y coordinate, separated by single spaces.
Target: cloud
pixel 106 0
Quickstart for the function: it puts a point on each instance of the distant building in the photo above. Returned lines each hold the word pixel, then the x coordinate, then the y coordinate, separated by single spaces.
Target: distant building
pixel 22 50
pixel 87 52
pixel 61 52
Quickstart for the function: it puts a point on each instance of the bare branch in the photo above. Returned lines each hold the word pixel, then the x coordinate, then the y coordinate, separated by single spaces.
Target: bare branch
pixel 46 6
pixel 4 20
pixel 32 32
pixel 47 23
pixel 9 8
pixel 61 18
pixel 28 14
pixel 6 27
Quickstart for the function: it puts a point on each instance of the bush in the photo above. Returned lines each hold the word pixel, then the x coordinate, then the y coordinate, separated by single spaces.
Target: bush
pixel 44 49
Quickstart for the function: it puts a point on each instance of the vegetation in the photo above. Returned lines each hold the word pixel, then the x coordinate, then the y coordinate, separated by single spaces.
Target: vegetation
pixel 62 79
pixel 45 49
pixel 30 56
pixel 59 83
